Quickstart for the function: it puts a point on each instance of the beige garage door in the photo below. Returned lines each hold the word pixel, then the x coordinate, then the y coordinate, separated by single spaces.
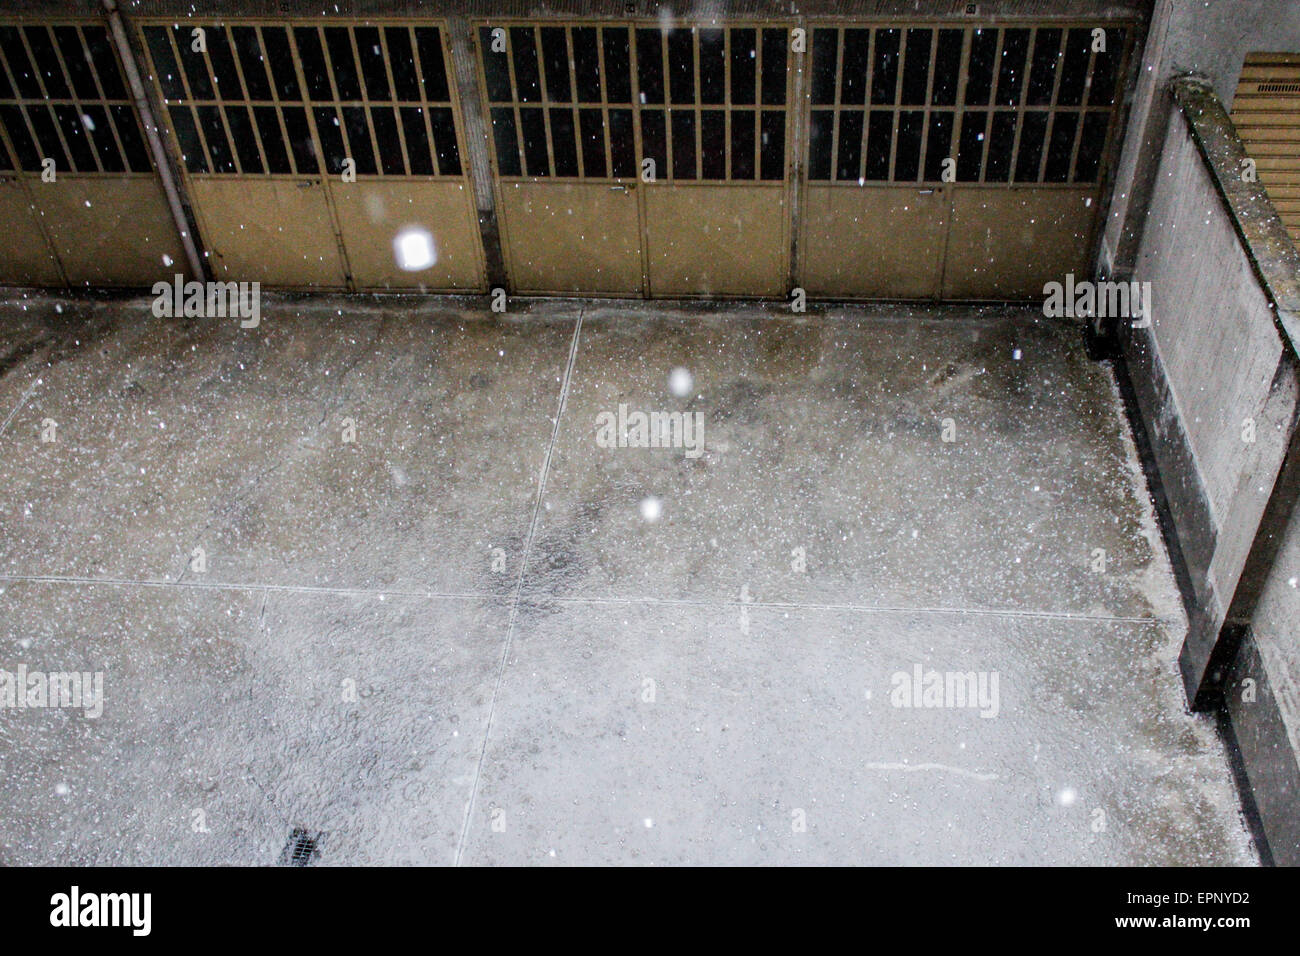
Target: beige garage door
pixel 322 154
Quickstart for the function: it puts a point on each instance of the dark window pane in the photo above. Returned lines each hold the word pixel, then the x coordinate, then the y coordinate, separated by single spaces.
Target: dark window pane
pixel 938 143
pixel 622 147
pixel 276 41
pixel 880 138
pixel 330 132
pixel 417 141
pixel 681 66
pixel 947 68
pixel 562 142
pixel 1002 142
pixel 268 125
pixel 742 144
pixel 402 59
pixel 104 57
pixel 11 43
pixel 503 135
pixel 907 157
pixel 390 147
pixel 819 144
pixel 313 63
pixel 28 155
pixel 528 79
pixel 214 134
pixel 187 135
pixel 47 62
pixel 586 64
pixel 649 65
pixel 228 86
pixel 1105 70
pixel 983 57
pixel 47 136
pixel 772 150
pixel 444 141
pixel 6 161
pixel 533 125
pixel 916 70
pixel 74 134
pixel 1091 144
pixel 592 128
pixel 555 57
pixel 1011 69
pixel 160 48
pixel 654 142
pixel 251 62
pixel 359 145
pixel 241 131
pixel 857 58
pixel 428 43
pixel 744 66
pixel 1061 149
pixel 1033 129
pixel 300 141
pixel 713 66
pixel 1074 73
pixel 618 65
pixel 683 144
pixel 196 68
pixel 848 162
pixel 128 131
pixel 824 53
pixel 1042 75
pixel 970 148
pixel 713 144
pixel 74 58
pixel 371 54
pixel 884 83
pixel 497 69
pixel 774 42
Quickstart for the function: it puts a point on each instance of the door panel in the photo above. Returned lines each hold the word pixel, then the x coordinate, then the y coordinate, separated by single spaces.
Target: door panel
pixel 364 114
pixel 716 240
pixel 1014 241
pixel 25 257
pixel 112 231
pixel 274 231
pixel 573 237
pixel 843 252
pixel 372 217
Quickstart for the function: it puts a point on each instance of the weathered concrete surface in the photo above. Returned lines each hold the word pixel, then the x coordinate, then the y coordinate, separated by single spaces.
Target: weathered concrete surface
pixel 462 618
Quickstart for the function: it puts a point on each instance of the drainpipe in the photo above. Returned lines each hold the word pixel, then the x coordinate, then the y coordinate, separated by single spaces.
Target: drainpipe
pixel 160 160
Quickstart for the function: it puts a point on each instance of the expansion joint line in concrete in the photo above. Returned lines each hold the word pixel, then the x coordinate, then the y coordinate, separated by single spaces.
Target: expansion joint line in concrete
pixel 519 583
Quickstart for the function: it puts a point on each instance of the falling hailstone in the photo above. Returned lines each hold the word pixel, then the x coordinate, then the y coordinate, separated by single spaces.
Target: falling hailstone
pixel 680 382
pixel 413 249
pixel 651 508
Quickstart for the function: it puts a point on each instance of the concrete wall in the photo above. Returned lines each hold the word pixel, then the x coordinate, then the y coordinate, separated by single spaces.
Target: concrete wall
pixel 1208 37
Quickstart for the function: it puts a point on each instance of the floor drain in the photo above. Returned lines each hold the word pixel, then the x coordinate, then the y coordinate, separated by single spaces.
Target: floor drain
pixel 302 849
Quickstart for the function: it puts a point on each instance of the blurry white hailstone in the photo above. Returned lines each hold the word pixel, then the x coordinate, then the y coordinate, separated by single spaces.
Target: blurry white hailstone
pixel 414 250
pixel 651 508
pixel 1066 797
pixel 680 382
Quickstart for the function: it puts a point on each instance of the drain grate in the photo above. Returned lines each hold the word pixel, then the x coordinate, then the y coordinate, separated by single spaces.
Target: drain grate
pixel 1279 87
pixel 302 849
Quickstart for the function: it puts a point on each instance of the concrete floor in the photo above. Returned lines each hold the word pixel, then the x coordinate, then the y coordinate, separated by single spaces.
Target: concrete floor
pixel 457 639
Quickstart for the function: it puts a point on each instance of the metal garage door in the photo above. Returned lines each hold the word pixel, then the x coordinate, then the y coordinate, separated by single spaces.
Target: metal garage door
pixel 273 119
pixel 80 202
pixel 1266 112
pixel 1021 116
pixel 641 160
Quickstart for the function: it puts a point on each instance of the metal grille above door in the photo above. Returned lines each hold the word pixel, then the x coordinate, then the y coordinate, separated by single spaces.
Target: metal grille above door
pixel 311 149
pixel 954 161
pixel 641 160
pixel 79 198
